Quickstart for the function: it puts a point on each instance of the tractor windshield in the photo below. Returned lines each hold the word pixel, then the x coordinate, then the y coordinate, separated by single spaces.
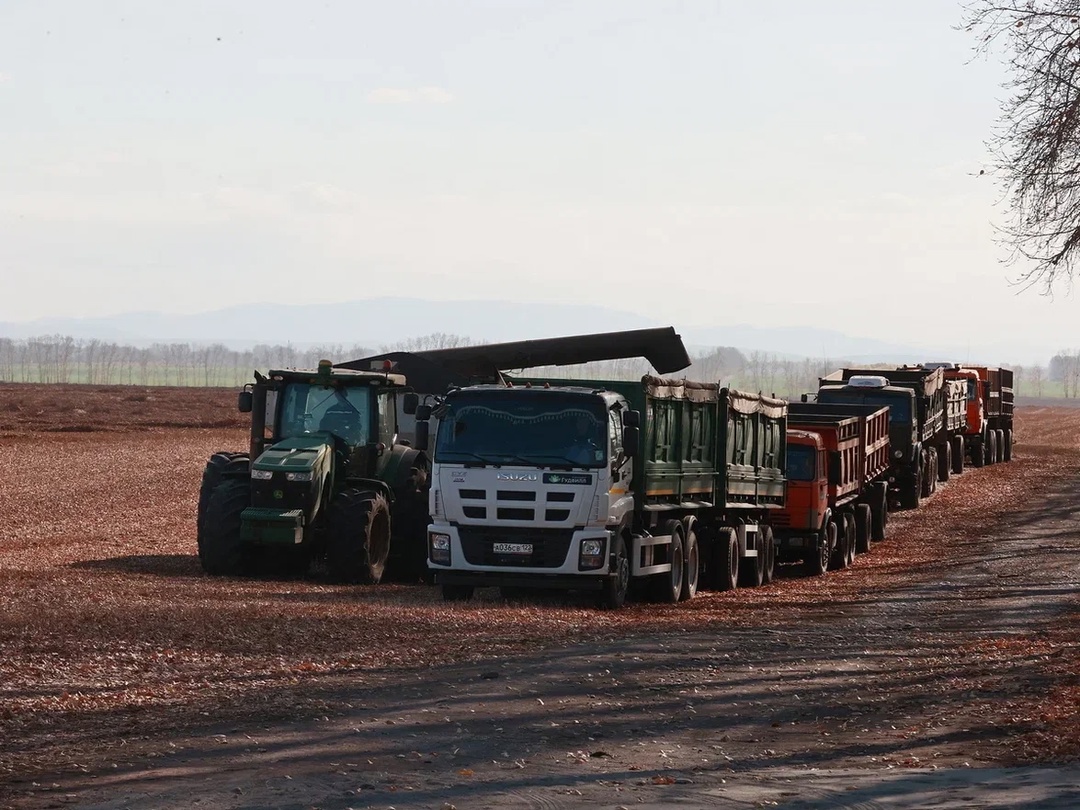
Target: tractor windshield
pixel 345 412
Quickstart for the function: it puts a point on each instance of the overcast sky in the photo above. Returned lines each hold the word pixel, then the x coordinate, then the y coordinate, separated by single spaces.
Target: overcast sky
pixel 702 162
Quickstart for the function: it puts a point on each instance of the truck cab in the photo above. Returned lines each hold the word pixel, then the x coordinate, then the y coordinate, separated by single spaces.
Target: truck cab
pixel 808 483
pixel 529 483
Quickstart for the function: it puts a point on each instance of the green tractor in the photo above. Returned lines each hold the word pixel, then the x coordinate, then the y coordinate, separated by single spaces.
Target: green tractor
pixel 329 481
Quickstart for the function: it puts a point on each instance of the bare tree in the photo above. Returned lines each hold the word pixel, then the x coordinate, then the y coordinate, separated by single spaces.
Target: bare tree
pixel 1037 145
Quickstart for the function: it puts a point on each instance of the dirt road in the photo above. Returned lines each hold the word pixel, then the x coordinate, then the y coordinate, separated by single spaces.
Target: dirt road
pixel 914 679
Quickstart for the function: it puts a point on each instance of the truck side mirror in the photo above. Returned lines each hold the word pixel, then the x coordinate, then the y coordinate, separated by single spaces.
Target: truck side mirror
pixel 422 435
pixel 631 419
pixel 423 413
pixel 243 402
pixel 410 403
pixel 631 439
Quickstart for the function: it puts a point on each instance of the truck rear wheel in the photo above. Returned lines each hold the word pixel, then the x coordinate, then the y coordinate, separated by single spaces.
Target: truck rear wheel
pixel 1007 455
pixel 769 542
pixel 818 563
pixel 991 447
pixel 1000 444
pixel 978 452
pixel 670 584
pixel 944 462
pixel 692 566
pixel 929 473
pixel 615 588
pixel 752 569
pixel 879 510
pixel 845 542
pixel 223 551
pixel 358 537
pixel 957 455
pixel 725 559
pixel 864 518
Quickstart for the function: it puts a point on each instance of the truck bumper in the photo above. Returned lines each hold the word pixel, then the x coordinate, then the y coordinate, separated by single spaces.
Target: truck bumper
pixel 484 565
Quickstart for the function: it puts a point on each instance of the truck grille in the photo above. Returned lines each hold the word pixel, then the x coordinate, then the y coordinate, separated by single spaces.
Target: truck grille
pixel 549 546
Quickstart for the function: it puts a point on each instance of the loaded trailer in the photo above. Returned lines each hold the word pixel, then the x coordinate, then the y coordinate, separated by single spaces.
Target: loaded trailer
pixel 922 424
pixel 838 461
pixel 658 485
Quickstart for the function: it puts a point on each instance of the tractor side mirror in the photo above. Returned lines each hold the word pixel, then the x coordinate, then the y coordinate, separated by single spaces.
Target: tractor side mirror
pixel 422 434
pixel 410 403
pixel 631 439
pixel 631 419
pixel 243 402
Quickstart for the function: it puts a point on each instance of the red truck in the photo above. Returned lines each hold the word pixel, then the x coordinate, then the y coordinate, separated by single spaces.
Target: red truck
pixel 837 500
pixel 988 424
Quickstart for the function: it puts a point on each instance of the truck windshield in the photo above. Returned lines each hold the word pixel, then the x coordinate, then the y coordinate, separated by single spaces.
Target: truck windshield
pixel 519 426
pixel 345 412
pixel 800 462
pixel 899 404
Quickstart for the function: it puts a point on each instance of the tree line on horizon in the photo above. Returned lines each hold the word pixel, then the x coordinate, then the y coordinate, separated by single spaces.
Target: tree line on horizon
pixel 64 359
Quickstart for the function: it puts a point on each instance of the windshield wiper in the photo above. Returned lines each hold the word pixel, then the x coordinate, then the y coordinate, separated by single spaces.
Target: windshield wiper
pixel 473 456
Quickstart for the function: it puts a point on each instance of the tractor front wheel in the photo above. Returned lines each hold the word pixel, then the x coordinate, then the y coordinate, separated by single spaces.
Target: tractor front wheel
pixel 358 539
pixel 221 549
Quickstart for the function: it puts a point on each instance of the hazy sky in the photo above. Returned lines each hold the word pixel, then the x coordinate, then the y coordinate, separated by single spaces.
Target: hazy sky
pixel 702 162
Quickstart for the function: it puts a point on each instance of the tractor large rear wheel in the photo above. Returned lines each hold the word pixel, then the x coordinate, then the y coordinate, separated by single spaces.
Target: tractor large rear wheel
pixel 221 549
pixel 358 537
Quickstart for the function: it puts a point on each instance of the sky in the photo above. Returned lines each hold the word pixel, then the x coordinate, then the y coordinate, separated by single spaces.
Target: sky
pixel 780 163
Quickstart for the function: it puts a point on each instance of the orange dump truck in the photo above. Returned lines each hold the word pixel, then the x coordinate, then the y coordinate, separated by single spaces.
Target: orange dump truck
pixel 837 499
pixel 989 432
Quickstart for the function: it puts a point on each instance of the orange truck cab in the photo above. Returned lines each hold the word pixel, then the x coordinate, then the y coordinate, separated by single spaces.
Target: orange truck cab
pixel 837 501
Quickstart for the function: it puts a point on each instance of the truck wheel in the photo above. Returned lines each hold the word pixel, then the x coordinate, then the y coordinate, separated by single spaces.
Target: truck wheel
pixel 616 586
pixel 879 512
pixel 864 518
pixel 670 584
pixel 1007 455
pixel 1000 444
pixel 725 557
pixel 957 455
pixel 818 563
pixel 844 537
pixel 223 551
pixel 752 569
pixel 218 464
pixel 929 473
pixel 692 566
pixel 991 447
pixel 358 536
pixel 944 462
pixel 457 593
pixel 978 457
pixel 769 542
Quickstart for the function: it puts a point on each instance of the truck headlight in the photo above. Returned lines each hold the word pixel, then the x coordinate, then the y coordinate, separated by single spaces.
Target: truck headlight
pixel 439 548
pixel 592 555
pixel 298 476
pixel 262 475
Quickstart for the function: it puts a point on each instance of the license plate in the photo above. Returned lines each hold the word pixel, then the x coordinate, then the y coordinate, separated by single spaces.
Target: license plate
pixel 512 548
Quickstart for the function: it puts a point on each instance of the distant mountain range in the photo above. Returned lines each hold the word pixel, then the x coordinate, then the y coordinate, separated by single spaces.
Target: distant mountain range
pixel 380 322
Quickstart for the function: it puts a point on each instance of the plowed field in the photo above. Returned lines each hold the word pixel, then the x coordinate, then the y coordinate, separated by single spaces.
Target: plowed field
pixel 116 650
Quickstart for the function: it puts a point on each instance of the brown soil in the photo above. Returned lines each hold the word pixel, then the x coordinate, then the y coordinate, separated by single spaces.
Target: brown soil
pixel 954 642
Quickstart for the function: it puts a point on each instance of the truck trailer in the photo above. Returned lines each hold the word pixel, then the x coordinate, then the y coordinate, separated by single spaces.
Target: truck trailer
pixel 838 460
pixel 661 484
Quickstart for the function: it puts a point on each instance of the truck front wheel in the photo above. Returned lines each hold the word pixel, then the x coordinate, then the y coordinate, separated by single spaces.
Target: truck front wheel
pixel 616 586
pixel 818 563
pixel 358 540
